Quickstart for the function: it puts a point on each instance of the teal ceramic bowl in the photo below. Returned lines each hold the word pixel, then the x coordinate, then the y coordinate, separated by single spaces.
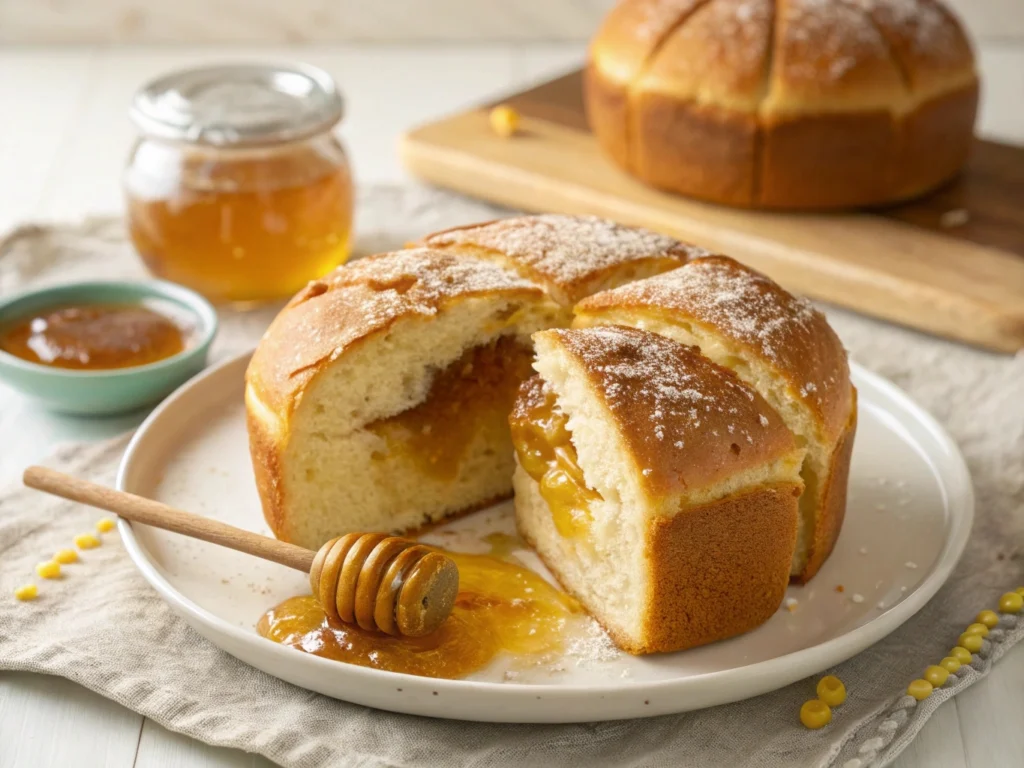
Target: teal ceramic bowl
pixel 118 390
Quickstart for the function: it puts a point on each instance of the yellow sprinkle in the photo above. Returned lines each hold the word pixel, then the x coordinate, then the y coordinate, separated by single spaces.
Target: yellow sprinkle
pixel 49 570
pixel 961 654
pixel 977 629
pixel 105 525
pixel 950 664
pixel 920 689
pixel 504 121
pixel 971 642
pixel 86 541
pixel 831 690
pixel 936 675
pixel 815 714
pixel 989 618
pixel 1011 602
pixel 65 556
pixel 26 592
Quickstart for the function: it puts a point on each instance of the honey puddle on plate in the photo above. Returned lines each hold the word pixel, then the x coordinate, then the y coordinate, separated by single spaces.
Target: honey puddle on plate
pixel 501 608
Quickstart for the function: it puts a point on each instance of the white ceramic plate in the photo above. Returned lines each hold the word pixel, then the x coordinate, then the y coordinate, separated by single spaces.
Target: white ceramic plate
pixel 909 515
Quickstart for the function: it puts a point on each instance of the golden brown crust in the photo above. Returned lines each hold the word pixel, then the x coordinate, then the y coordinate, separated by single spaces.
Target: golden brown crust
pixel 821 113
pixel 717 160
pixel 829 519
pixel 706 582
pixel 753 312
pixel 718 570
pixel 605 101
pixel 361 300
pixel 572 256
pixel 687 423
pixel 829 160
pixel 935 140
pixel 265 451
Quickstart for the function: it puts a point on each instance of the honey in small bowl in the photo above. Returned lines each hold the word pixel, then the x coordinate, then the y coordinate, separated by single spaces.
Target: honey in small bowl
pixel 94 337
pixel 103 347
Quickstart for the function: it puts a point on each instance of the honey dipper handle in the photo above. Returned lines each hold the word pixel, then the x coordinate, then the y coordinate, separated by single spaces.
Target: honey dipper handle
pixel 149 512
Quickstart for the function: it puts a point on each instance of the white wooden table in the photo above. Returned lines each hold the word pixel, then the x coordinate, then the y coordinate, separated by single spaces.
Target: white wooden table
pixel 64 135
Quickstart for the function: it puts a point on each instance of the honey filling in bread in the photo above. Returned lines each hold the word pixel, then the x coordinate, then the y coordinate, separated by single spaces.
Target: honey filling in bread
pixel 471 393
pixel 545 450
pixel 501 608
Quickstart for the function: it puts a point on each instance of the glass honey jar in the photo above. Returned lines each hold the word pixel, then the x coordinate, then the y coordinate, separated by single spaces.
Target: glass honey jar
pixel 238 187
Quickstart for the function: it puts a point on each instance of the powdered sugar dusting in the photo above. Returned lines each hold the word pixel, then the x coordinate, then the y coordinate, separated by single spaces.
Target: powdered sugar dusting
pixel 919 32
pixel 825 39
pixel 830 38
pixel 734 33
pixel 360 298
pixel 413 281
pixel 788 333
pixel 425 276
pixel 568 250
pixel 656 18
pixel 745 304
pixel 591 645
pixel 685 415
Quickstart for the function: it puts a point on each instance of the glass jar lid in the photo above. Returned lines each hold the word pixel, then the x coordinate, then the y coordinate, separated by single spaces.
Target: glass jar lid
pixel 238 104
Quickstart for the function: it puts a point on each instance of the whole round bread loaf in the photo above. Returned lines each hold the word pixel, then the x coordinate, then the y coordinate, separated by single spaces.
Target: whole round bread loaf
pixel 806 104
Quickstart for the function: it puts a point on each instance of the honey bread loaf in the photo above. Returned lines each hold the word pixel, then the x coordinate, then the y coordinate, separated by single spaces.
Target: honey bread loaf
pixel 782 347
pixel 700 418
pixel 807 104
pixel 681 483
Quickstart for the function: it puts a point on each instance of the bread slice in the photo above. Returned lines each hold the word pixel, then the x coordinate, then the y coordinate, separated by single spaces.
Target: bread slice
pixel 688 480
pixel 378 398
pixel 779 345
pixel 571 256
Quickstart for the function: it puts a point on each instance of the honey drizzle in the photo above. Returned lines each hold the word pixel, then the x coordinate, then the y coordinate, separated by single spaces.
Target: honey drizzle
pixel 501 608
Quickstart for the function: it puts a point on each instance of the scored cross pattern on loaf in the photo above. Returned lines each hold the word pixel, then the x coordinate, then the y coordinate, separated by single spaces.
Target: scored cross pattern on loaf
pixel 784 103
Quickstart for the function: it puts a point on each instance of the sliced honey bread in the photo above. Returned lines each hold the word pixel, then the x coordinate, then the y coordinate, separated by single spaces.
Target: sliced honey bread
pixel 779 345
pixel 378 398
pixel 658 488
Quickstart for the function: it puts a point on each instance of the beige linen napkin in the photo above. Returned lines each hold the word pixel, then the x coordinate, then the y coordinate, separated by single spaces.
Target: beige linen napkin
pixel 104 627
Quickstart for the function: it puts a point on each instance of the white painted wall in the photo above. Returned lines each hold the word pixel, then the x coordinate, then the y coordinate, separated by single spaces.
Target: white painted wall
pixel 273 21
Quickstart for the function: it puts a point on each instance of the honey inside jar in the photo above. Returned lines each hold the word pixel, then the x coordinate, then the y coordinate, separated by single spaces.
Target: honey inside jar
pixel 243 225
pixel 472 394
pixel 545 451
pixel 501 608
pixel 94 337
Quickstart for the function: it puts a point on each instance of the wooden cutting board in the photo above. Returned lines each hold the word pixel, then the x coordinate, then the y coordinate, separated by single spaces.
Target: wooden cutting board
pixel 951 263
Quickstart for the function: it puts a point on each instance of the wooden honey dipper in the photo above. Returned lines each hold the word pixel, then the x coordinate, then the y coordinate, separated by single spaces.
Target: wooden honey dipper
pixel 377 581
